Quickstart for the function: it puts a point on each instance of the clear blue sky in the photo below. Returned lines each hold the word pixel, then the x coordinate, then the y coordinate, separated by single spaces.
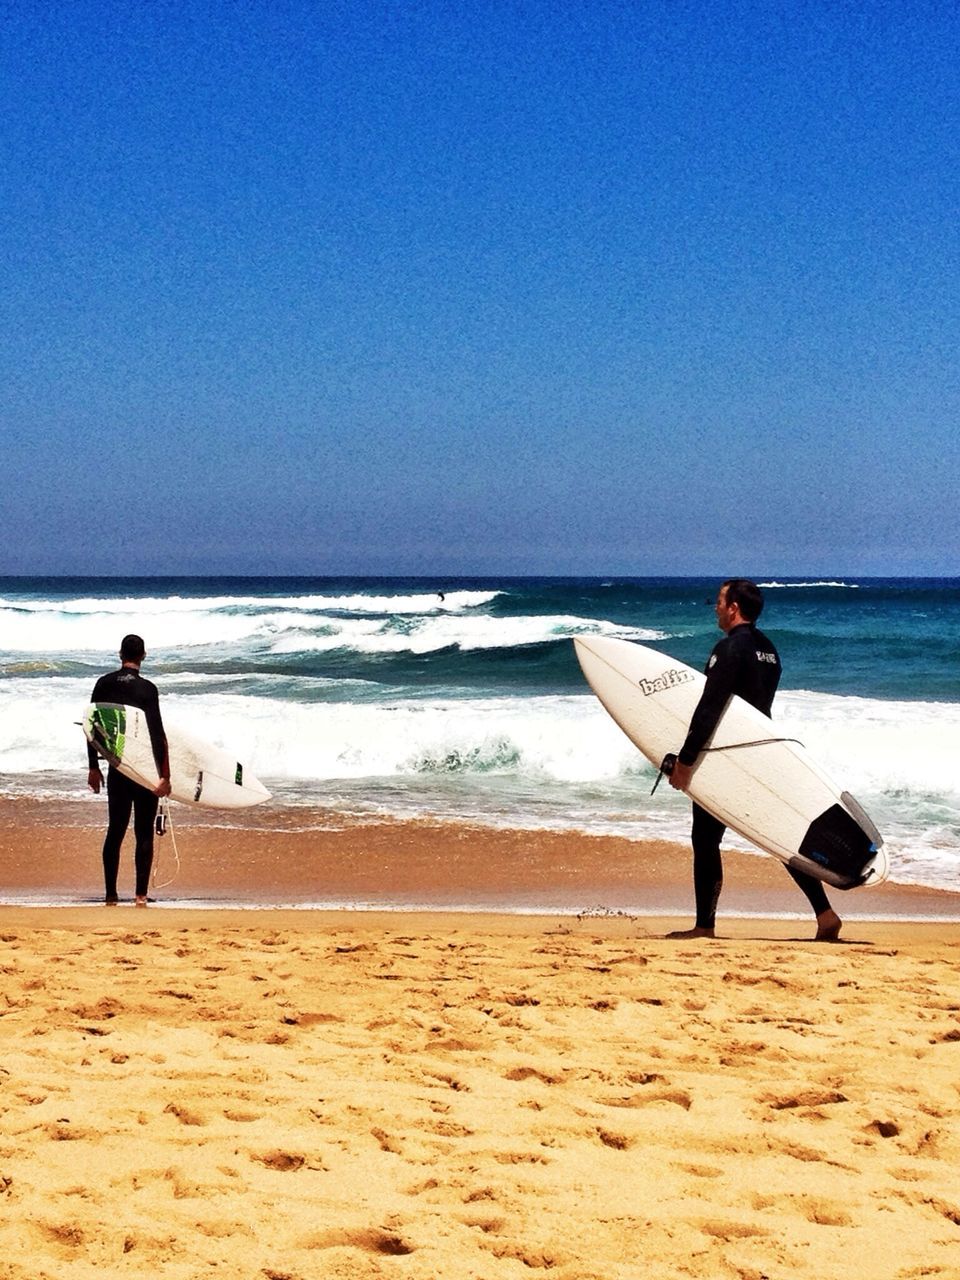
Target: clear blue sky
pixel 424 287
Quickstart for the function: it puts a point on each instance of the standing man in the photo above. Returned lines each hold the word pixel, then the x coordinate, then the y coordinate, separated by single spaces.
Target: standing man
pixel 745 663
pixel 128 688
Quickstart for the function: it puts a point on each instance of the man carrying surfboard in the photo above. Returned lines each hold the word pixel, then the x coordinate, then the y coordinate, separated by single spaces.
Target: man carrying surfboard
pixel 128 688
pixel 744 663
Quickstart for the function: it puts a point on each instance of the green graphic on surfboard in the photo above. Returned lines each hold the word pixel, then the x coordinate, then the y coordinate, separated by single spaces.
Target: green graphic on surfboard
pixel 107 727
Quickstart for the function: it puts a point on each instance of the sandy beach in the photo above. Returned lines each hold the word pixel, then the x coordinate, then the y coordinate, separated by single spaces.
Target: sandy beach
pixel 306 1093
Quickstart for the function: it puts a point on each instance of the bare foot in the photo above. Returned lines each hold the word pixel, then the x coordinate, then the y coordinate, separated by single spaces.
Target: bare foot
pixel 140 902
pixel 695 932
pixel 829 925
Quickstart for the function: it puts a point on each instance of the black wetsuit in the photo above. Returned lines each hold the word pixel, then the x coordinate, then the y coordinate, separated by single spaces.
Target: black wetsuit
pixel 127 687
pixel 744 663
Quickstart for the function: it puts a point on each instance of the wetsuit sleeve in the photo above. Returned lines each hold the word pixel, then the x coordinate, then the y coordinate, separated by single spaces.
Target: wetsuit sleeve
pixel 158 738
pixel 721 684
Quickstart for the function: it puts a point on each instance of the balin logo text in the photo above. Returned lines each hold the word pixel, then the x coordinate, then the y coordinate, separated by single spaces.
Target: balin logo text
pixel 669 679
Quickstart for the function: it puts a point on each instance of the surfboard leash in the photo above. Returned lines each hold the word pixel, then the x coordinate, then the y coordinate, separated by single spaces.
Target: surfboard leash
pixel 670 759
pixel 164 824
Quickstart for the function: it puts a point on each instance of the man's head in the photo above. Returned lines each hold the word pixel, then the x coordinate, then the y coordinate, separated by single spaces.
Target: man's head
pixel 739 600
pixel 132 649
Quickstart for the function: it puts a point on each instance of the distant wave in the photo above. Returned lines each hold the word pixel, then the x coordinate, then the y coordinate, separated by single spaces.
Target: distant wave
pixel 308 622
pixel 343 625
pixel 772 586
pixel 421 602
pixel 432 634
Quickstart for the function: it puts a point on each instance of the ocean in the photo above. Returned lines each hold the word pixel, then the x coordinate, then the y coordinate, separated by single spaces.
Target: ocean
pixel 462 700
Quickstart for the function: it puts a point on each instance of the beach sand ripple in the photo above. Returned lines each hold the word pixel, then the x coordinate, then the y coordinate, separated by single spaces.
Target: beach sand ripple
pixel 296 1096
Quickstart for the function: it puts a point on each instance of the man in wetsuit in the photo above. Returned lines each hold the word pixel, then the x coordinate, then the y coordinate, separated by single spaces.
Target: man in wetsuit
pixel 127 687
pixel 745 663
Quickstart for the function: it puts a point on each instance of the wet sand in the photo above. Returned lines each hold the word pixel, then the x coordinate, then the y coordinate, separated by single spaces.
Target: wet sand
pixel 287 857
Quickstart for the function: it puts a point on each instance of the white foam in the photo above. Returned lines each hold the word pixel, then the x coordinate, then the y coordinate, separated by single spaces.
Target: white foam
pixel 87 626
pixel 356 603
pixel 782 586
pixel 429 635
pixel 875 747
pixel 87 634
pixel 878 745
pixel 286 630
pixel 452 602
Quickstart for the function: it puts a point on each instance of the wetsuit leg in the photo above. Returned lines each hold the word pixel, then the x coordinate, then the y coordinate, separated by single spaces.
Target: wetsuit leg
pixel 813 891
pixel 705 836
pixel 144 816
pixel 119 805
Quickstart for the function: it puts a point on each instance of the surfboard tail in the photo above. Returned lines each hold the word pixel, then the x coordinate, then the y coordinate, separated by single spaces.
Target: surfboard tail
pixel 842 847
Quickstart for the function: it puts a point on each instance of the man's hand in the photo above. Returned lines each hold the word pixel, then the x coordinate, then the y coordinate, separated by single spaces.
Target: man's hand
pixel 162 788
pixel 95 781
pixel 681 775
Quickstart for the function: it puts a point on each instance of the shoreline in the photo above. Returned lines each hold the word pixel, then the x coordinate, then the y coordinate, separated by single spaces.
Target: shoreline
pixel 50 859
pixel 862 935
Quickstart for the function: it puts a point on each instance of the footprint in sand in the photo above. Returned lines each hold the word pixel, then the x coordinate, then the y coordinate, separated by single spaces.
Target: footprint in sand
pixel 370 1240
pixel 281 1161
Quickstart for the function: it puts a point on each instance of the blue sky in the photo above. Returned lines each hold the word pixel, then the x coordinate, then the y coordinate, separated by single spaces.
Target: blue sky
pixel 423 287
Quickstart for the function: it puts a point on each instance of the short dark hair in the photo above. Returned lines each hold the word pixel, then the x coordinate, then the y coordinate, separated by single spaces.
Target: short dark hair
pixel 746 595
pixel 132 649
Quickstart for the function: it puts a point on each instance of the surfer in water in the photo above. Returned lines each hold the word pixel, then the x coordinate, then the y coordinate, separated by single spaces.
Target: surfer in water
pixel 127 687
pixel 746 663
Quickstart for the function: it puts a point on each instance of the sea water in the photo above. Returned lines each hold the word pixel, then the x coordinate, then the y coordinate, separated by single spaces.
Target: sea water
pixel 462 700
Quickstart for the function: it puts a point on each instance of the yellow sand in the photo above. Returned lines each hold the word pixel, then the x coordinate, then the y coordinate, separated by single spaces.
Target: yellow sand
pixel 297 1095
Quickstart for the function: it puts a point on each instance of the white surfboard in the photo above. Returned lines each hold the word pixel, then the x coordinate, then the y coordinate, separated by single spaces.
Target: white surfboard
pixel 200 773
pixel 759 784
